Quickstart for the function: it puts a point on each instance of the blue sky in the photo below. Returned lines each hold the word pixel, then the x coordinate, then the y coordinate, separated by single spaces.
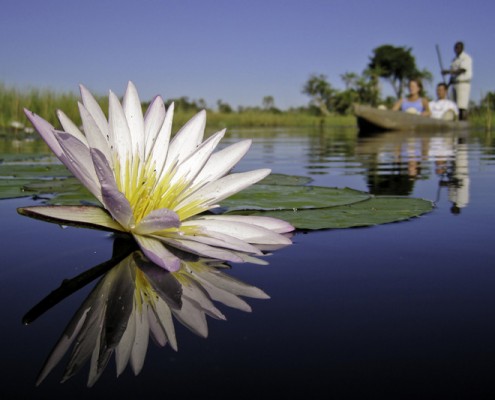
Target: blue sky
pixel 236 51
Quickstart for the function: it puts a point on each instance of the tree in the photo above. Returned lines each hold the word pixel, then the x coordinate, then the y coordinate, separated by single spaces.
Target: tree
pixel 350 79
pixel 224 107
pixel 320 92
pixel 397 65
pixel 268 102
pixel 358 89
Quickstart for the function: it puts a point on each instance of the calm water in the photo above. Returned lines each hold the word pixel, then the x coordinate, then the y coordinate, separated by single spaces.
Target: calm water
pixel 404 310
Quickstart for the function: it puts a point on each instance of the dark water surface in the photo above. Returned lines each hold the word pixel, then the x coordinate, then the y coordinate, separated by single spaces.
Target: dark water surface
pixel 403 310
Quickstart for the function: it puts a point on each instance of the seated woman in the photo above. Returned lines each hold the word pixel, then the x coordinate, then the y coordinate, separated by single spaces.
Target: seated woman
pixel 413 103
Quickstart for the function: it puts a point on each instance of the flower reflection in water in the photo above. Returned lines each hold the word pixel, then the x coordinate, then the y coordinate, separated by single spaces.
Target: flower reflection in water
pixel 136 299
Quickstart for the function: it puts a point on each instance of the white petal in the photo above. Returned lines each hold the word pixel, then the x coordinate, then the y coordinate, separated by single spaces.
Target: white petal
pixel 134 115
pixel 188 169
pixel 273 224
pixel 153 123
pixel 222 162
pixel 242 230
pixel 159 150
pixel 95 110
pixel 70 127
pixel 187 139
pixel 94 136
pixel 120 136
pixel 214 192
pixel 221 240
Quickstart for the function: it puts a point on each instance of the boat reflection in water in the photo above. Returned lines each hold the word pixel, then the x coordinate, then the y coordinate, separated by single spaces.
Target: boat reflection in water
pixel 136 299
pixel 396 161
pixel 452 165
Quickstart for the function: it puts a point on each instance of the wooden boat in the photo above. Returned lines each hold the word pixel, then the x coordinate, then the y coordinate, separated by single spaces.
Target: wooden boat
pixel 370 119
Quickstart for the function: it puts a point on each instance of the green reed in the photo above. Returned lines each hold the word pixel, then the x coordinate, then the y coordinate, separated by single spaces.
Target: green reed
pixel 45 102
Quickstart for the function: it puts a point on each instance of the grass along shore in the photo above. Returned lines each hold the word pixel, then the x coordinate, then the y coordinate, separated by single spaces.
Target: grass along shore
pixel 45 102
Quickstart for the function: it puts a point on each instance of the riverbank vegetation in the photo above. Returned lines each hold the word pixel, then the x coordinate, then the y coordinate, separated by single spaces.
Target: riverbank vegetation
pixel 44 102
pixel 327 105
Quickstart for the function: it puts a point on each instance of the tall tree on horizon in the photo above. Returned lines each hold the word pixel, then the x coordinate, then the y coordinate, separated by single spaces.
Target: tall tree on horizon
pixel 396 65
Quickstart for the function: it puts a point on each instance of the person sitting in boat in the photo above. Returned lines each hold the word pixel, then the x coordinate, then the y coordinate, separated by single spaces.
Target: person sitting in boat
pixel 443 108
pixel 413 103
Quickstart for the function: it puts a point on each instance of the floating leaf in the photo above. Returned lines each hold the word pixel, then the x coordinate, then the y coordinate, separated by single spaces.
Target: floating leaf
pixel 278 197
pixel 37 170
pixel 288 180
pixel 375 211
pixel 11 189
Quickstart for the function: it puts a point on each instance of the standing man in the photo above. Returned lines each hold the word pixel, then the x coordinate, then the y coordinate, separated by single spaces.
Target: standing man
pixel 461 72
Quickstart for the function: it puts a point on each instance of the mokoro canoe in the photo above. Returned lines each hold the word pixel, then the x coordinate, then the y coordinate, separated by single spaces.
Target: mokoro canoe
pixel 371 119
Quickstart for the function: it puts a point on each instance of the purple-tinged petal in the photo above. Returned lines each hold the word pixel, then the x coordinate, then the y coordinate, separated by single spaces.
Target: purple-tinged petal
pixel 46 130
pixel 157 253
pixel 73 215
pixel 114 201
pixel 76 157
pixel 157 220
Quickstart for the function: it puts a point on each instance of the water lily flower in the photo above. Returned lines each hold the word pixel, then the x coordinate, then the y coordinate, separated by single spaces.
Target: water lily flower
pixel 137 299
pixel 153 187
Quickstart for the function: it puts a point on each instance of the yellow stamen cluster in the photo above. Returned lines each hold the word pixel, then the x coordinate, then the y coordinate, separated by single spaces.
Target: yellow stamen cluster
pixel 147 189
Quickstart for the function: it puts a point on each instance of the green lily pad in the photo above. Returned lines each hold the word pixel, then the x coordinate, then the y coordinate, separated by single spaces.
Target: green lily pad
pixel 11 189
pixel 36 170
pixel 375 211
pixel 279 197
pixel 288 180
